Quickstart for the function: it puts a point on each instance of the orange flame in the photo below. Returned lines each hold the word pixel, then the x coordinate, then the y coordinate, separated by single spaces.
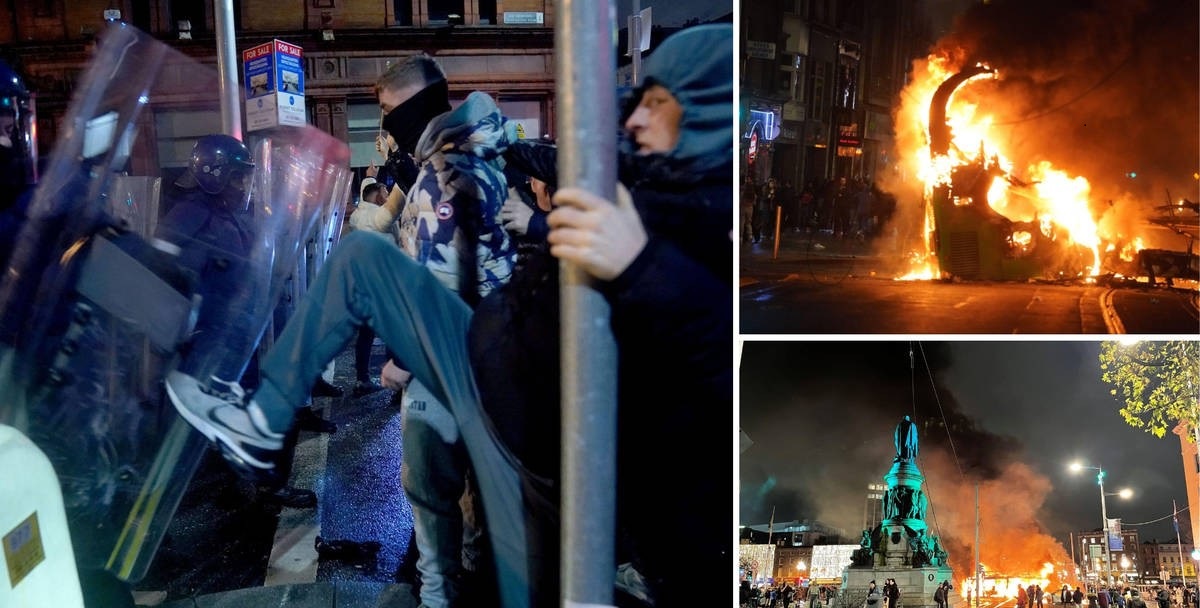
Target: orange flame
pixel 1055 197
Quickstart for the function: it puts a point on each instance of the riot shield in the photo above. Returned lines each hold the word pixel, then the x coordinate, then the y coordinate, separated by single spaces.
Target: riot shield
pixel 98 302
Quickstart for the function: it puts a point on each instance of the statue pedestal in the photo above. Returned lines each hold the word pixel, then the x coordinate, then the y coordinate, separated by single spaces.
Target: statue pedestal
pixel 900 547
pixel 916 584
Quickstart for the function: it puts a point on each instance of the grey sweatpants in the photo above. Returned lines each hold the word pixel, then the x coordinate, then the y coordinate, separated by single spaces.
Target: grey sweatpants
pixel 367 280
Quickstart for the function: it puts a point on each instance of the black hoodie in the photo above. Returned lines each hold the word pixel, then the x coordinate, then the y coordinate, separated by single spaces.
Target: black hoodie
pixel 672 317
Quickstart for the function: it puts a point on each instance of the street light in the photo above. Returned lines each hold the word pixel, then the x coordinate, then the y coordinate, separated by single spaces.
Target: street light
pixel 1123 493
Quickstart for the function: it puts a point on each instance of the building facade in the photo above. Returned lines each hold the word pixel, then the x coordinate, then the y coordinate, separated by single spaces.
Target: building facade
pixel 1126 557
pixel 502 47
pixel 819 79
pixel 1167 561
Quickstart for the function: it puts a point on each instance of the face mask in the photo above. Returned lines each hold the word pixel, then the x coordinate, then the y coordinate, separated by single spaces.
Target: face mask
pixel 407 121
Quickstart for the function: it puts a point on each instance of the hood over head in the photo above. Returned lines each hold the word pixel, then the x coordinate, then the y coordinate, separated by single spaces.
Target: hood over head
pixel 475 127
pixel 696 66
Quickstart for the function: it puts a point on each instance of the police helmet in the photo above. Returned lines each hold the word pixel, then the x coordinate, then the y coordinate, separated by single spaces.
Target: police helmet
pixel 220 161
pixel 18 132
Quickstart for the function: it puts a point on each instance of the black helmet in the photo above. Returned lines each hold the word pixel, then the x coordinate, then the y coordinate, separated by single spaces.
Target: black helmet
pixel 18 131
pixel 219 161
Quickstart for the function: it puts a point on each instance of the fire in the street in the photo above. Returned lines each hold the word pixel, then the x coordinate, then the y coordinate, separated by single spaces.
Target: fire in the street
pixel 1130 249
pixel 1004 586
pixel 1046 198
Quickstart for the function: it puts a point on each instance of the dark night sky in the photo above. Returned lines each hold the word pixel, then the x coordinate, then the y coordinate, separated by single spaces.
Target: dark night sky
pixel 821 415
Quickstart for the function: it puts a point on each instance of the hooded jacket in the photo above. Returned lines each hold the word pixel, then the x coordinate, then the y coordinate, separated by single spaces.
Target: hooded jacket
pixel 671 315
pixel 450 223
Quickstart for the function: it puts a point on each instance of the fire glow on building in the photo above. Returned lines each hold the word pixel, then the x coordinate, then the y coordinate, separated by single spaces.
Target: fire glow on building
pixel 986 215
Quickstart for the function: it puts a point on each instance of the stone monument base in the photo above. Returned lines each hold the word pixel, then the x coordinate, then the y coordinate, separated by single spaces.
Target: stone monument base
pixel 916 584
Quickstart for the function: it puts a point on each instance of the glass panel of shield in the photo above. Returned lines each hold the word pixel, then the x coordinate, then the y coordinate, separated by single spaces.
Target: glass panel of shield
pixel 112 284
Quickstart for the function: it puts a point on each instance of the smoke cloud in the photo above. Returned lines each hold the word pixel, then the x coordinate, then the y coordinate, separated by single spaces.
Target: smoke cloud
pixel 829 409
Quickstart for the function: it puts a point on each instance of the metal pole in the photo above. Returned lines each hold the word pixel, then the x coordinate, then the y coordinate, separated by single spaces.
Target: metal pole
pixel 636 47
pixel 1104 514
pixel 585 69
pixel 1073 563
pixel 1178 542
pixel 778 216
pixel 231 110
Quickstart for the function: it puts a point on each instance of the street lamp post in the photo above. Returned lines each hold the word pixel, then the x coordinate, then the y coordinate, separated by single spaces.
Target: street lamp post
pixel 1125 493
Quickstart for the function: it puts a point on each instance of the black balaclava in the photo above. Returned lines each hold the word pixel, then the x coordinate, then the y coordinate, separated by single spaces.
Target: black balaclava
pixel 407 121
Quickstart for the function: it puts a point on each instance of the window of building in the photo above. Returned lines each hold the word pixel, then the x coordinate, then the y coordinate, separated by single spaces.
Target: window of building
pixel 178 130
pixel 819 95
pixel 440 11
pixel 403 10
pixel 363 126
pixel 527 113
pixel 191 12
pixel 487 12
pixel 140 16
pixel 45 8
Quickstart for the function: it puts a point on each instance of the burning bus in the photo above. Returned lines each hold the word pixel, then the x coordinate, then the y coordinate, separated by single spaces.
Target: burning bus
pixel 985 219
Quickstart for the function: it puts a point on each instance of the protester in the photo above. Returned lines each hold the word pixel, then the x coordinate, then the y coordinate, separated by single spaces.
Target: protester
pixel 410 302
pixel 661 258
pixel 661 255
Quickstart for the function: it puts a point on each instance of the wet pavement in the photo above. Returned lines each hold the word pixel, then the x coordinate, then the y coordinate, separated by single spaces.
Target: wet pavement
pixel 230 544
pixel 824 285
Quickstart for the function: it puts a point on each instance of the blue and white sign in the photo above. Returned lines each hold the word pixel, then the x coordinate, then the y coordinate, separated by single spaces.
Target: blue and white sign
pixel 274 73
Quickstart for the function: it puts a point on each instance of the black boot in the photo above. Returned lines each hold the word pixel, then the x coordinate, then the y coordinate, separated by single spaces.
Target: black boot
pixel 308 420
pixel 287 496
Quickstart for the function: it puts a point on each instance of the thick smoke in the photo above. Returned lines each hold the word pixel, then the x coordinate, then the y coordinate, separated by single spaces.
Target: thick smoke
pixel 1101 89
pixel 834 407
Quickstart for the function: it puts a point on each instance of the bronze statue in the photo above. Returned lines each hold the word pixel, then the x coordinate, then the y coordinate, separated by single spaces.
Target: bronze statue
pixel 906 440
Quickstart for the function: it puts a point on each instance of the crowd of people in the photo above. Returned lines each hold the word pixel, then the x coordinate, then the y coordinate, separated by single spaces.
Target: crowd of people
pixel 451 258
pixel 785 595
pixel 470 321
pixel 855 209
pixel 1126 596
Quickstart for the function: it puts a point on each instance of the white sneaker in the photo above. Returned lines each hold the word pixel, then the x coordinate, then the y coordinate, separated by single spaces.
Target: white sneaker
pixel 221 414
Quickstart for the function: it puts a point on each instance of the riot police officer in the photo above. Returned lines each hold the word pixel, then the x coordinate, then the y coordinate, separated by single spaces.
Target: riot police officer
pixel 18 156
pixel 208 220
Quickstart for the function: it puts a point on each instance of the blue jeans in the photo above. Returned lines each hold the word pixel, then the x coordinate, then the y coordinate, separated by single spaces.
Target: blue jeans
pixel 367 280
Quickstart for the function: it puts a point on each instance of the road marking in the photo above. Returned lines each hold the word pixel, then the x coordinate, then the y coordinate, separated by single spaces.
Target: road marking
pixel 294 557
pixel 1111 320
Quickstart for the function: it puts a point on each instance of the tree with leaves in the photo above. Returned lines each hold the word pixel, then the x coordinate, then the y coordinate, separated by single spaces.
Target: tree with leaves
pixel 1157 383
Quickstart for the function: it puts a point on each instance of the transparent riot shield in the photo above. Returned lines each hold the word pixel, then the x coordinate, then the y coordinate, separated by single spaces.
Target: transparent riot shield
pixel 100 301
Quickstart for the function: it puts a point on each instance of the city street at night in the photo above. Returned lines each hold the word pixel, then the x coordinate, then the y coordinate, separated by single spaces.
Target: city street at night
pixel 1013 437
pixel 844 287
pixel 232 544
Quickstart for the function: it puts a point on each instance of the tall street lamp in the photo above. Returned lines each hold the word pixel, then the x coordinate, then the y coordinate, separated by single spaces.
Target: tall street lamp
pixel 1124 493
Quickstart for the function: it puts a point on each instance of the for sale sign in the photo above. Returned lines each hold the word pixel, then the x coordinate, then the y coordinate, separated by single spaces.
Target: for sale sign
pixel 274 73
